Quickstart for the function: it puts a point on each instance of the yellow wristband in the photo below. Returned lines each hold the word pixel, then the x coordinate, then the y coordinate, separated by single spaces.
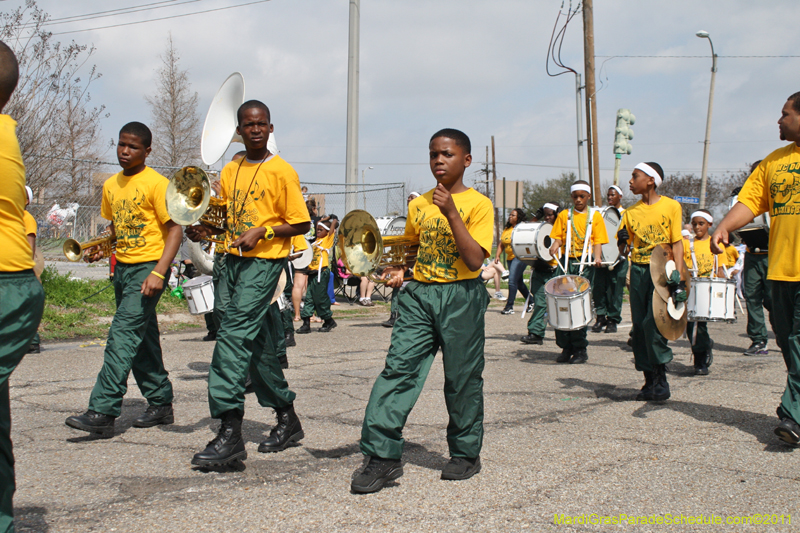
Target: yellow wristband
pixel 157 274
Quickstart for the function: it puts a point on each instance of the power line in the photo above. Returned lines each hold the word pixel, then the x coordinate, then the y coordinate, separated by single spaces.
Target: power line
pixel 162 18
pixel 115 12
pixel 703 57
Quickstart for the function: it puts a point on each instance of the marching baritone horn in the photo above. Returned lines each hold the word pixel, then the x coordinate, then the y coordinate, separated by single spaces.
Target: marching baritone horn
pixel 364 250
pixel 74 250
pixel 189 200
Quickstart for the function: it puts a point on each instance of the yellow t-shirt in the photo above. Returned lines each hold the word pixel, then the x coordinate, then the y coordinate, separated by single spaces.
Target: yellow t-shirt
pixel 438 260
pixel 505 239
pixel 16 254
pixel 270 198
pixel 31 227
pixel 649 225
pixel 704 257
pixel 774 187
pixel 599 232
pixel 299 243
pixel 137 206
pixel 322 251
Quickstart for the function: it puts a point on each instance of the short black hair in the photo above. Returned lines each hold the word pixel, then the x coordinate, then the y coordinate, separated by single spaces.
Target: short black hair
pixel 706 211
pixel 795 100
pixel 458 136
pixel 139 130
pixel 754 166
pixel 250 104
pixel 9 73
pixel 656 167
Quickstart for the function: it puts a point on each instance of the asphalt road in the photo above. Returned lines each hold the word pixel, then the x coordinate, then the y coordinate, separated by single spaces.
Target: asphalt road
pixel 560 440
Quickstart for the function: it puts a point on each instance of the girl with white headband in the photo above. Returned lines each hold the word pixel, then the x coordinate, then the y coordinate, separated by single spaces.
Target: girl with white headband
pixel 576 221
pixel 699 259
pixel 608 288
pixel 317 298
pixel 653 220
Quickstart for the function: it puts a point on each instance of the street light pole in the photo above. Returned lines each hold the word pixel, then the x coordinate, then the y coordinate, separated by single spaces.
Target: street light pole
pixel 364 186
pixel 704 173
pixel 351 158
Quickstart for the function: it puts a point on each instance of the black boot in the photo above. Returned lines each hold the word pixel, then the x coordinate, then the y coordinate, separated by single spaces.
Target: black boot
pixel 328 325
pixel 306 327
pixel 287 431
pixel 155 415
pixel 290 339
pixel 647 391
pixel 228 446
pixel 599 324
pixel 660 385
pixel 93 422
pixel 283 361
pixel 390 323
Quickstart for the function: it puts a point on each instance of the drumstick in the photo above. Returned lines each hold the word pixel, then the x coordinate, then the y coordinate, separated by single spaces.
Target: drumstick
pixel 528 299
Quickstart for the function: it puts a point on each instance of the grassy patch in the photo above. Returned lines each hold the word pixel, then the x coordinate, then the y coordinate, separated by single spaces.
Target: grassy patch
pixel 72 306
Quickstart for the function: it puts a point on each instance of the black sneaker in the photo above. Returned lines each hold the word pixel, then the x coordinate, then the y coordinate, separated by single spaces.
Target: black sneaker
pixel 757 348
pixel 507 311
pixel 375 475
pixel 529 309
pixel 788 431
pixel 155 415
pixel 461 468
pixel 566 353
pixel 611 327
pixel 532 339
pixel 579 357
pixel 93 422
pixel 599 324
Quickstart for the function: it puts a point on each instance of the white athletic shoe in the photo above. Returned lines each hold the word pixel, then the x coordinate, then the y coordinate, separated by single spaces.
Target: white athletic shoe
pixel 500 296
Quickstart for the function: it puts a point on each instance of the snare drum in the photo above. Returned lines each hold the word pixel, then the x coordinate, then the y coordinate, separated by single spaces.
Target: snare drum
pixel 391 225
pixel 612 220
pixel 569 302
pixel 711 300
pixel 199 292
pixel 531 241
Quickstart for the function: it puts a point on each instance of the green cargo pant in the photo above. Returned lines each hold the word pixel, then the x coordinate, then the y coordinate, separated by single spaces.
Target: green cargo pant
pixel 786 316
pixel 608 290
pixel 431 315
pixel 133 345
pixel 288 313
pixel 241 339
pixel 757 295
pixel 221 294
pixel 536 323
pixel 317 298
pixel 276 341
pixel 22 303
pixel 576 339
pixel 393 302
pixel 702 343
pixel 649 345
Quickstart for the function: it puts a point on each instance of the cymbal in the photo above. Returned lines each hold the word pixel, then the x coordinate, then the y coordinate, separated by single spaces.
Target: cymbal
pixel 658 269
pixel 670 328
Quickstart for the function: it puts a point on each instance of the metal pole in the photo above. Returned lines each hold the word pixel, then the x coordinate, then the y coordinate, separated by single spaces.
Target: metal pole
pixel 617 162
pixel 494 193
pixel 351 165
pixel 591 100
pixel 704 172
pixel 579 116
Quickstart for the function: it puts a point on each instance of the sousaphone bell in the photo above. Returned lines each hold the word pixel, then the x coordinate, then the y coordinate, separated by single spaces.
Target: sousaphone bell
pixel 364 250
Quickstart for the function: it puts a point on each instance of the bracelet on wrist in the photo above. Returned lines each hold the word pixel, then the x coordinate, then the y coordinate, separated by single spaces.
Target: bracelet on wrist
pixel 157 275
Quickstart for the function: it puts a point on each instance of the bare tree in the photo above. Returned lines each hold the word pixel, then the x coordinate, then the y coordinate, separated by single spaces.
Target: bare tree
pixel 58 130
pixel 174 122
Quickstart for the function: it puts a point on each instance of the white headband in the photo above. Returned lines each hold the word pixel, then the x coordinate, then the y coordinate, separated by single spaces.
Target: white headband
pixel 686 233
pixel 704 215
pixel 616 189
pixel 650 171
pixel 548 205
pixel 414 194
pixel 580 187
pixel 324 226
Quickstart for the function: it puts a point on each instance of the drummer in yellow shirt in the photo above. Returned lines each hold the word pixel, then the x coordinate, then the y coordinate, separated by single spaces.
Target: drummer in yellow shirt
pixel 700 261
pixel 576 221
pixel 772 188
pixel 319 273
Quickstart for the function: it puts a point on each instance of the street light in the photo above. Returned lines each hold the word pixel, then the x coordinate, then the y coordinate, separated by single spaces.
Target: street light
pixel 704 173
pixel 364 186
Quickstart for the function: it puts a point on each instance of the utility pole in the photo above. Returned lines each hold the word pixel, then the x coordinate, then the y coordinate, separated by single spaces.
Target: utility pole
pixel 494 195
pixel 591 103
pixel 579 116
pixel 351 165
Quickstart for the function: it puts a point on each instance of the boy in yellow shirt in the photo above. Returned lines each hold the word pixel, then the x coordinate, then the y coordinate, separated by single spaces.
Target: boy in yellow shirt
pixel 652 221
pixel 700 261
pixel 147 241
pixel 265 210
pixel 21 293
pixel 319 273
pixel 443 307
pixel 576 221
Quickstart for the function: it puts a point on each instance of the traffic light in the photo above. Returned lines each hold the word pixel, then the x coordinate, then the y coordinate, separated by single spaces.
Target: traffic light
pixel 624 133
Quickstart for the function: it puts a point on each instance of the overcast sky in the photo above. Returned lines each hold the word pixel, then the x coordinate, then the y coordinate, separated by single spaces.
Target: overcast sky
pixel 478 66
